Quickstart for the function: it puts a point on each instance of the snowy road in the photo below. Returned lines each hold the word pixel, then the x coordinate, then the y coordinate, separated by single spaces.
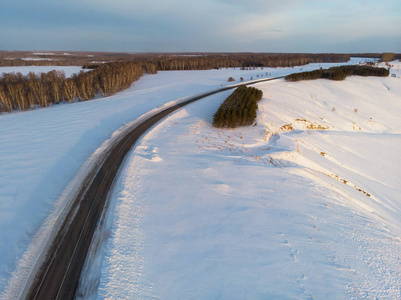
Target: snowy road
pixel 275 211
pixel 46 153
pixel 59 274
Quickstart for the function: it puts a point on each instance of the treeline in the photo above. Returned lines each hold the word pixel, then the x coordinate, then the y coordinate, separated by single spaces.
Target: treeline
pixel 18 92
pixel 242 60
pixel 239 109
pixel 179 61
pixel 168 61
pixel 339 73
pixel 386 56
pixel 60 58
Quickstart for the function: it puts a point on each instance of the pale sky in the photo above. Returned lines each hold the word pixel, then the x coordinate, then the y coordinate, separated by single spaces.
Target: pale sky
pixel 341 26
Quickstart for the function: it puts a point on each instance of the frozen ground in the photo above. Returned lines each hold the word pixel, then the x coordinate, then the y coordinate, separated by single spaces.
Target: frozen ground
pixel 43 150
pixel 305 205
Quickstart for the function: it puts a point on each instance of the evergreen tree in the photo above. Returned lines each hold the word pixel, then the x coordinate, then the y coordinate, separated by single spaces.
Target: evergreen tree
pixel 239 109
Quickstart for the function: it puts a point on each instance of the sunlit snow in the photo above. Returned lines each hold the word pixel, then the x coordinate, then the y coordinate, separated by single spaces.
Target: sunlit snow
pixel 305 205
pixel 202 213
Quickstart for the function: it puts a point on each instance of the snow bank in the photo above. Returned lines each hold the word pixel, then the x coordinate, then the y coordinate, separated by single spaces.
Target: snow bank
pixel 304 205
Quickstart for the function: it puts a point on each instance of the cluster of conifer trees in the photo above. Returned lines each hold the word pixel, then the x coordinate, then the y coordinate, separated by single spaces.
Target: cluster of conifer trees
pixel 239 109
pixel 18 92
pixel 339 73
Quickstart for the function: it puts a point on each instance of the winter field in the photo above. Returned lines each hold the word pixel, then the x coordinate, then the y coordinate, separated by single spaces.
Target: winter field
pixel 43 153
pixel 284 209
pixel 305 205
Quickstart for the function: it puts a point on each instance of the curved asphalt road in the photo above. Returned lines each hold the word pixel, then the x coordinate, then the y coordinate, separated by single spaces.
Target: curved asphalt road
pixel 59 275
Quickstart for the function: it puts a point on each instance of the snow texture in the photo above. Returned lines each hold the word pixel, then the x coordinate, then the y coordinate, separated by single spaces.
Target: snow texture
pixel 44 154
pixel 305 205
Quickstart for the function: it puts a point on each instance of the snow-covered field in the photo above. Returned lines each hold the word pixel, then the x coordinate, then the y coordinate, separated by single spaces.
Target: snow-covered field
pixel 305 205
pixel 43 150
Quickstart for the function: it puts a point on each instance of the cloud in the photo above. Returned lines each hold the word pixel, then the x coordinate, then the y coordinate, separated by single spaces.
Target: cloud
pixel 209 25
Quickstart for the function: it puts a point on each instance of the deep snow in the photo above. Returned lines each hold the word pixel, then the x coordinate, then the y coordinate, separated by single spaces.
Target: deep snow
pixel 305 205
pixel 43 150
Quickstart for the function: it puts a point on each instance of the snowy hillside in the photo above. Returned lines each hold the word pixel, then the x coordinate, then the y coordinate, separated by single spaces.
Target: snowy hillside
pixel 304 205
pixel 44 153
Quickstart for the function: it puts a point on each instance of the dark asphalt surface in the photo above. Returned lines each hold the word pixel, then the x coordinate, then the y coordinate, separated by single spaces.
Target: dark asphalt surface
pixel 59 275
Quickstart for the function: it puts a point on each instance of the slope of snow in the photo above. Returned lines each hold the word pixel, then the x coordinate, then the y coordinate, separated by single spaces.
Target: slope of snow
pixel 42 151
pixel 305 205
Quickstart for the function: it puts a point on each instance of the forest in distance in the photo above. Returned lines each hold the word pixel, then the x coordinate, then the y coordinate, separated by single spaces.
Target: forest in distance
pixel 18 92
pixel 339 73
pixel 112 72
pixel 165 61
